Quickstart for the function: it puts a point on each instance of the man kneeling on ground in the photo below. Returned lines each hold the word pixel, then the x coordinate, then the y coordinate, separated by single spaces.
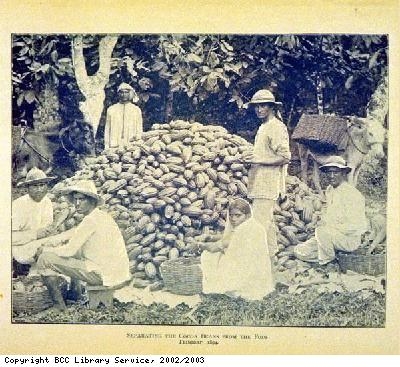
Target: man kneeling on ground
pixel 342 222
pixel 95 251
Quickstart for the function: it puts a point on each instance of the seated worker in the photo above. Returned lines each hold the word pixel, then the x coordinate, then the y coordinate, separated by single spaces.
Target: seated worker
pixel 94 252
pixel 239 264
pixel 342 222
pixel 31 215
pixel 124 122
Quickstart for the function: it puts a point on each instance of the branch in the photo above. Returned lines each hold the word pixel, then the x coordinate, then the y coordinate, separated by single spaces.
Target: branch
pixel 106 47
pixel 78 61
pixel 99 80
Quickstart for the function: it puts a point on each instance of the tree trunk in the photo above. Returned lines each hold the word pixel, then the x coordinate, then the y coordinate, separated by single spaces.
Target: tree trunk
pixel 290 117
pixel 378 106
pixel 320 96
pixel 92 87
pixel 169 106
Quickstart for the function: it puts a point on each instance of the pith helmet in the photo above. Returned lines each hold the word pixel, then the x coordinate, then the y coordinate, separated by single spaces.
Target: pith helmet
pixel 336 161
pixel 264 96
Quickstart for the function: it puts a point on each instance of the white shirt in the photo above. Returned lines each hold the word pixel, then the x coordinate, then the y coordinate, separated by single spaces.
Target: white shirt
pixel 345 210
pixel 28 216
pixel 272 140
pixel 123 123
pixel 98 241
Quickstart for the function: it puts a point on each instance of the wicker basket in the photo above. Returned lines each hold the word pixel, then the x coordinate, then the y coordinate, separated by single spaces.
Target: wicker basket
pixel 321 133
pixel 30 301
pixel 182 276
pixel 363 264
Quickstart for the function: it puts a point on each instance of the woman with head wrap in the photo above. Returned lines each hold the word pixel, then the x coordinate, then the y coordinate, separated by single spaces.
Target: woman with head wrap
pixel 239 264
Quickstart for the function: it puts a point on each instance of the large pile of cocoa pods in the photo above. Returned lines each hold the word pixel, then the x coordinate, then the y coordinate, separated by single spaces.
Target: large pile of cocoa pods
pixel 174 185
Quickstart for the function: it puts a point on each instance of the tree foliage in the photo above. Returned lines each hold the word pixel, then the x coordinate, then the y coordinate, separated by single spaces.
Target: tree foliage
pixel 208 77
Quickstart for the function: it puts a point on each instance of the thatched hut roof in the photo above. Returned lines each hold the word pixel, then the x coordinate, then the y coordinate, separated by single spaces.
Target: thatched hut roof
pixel 320 132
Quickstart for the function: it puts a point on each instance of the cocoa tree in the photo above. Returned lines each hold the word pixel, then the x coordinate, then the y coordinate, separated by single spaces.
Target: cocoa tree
pixel 39 61
pixel 209 77
pixel 197 66
pixel 378 106
pixel 92 86
pixel 333 73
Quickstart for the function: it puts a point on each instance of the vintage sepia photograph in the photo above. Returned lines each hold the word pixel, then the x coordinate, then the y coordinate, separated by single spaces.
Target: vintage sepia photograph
pixel 199 179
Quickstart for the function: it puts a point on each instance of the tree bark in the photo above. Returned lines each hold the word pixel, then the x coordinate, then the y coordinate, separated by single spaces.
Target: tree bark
pixel 290 117
pixel 378 106
pixel 320 96
pixel 169 106
pixel 92 87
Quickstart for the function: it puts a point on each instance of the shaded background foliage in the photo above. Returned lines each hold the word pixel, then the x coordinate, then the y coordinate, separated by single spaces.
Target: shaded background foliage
pixel 206 77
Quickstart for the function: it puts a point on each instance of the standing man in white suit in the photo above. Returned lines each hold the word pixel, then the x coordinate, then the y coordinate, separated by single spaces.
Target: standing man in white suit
pixel 124 122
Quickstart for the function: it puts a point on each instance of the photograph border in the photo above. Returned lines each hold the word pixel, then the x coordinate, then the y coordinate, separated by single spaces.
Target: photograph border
pixel 245 17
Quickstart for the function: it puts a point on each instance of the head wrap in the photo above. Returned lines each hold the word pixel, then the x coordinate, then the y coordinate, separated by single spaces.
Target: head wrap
pixel 125 86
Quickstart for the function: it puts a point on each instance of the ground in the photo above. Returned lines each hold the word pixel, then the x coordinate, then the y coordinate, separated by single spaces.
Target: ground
pixel 310 308
pixel 319 296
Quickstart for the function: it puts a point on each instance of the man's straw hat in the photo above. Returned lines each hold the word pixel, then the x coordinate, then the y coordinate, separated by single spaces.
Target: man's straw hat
pixel 125 86
pixel 35 176
pixel 85 187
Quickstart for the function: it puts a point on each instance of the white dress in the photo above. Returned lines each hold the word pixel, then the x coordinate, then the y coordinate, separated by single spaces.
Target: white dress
pixel 244 269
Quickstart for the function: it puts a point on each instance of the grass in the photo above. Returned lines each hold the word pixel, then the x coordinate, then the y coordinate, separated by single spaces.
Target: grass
pixel 278 309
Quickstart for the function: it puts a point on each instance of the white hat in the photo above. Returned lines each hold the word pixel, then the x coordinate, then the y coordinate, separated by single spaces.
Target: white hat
pixel 125 86
pixel 85 187
pixel 35 175
pixel 335 161
pixel 264 96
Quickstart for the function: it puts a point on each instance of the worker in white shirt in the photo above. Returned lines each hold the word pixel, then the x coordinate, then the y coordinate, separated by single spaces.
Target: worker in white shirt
pixel 343 221
pixel 124 122
pixel 32 214
pixel 269 160
pixel 94 252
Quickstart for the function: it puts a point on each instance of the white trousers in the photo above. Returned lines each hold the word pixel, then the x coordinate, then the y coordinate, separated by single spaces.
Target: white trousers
pixel 322 247
pixel 263 212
